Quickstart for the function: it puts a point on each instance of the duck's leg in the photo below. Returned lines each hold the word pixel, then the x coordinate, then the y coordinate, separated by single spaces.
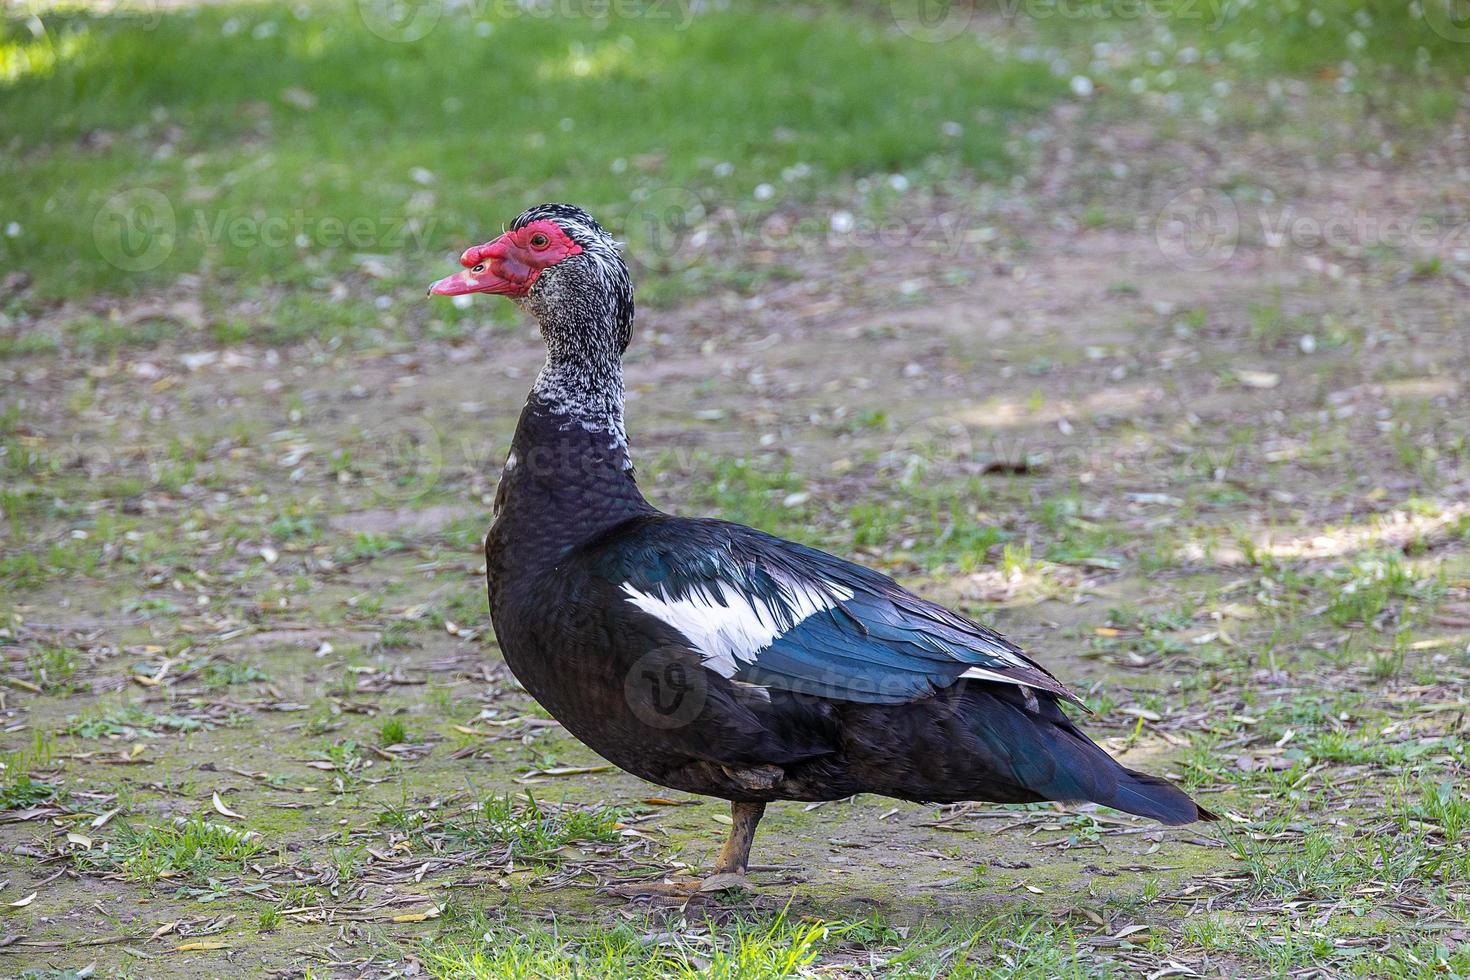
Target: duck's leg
pixel 734 859
pixel 735 855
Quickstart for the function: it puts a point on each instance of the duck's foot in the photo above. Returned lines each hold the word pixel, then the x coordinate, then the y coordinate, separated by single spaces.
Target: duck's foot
pixel 682 890
pixel 729 866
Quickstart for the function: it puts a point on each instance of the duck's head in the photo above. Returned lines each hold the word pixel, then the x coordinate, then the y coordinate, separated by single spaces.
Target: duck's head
pixel 557 263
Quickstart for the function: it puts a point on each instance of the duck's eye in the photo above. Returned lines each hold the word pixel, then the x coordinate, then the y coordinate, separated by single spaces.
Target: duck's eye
pixel 539 240
pixel 479 268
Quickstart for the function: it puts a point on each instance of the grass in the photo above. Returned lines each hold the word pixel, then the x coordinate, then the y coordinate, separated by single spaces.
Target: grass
pixel 1395 62
pixel 131 721
pixel 225 673
pixel 19 787
pixel 747 951
pixel 194 848
pixel 1018 945
pixel 393 731
pixel 23 791
pixel 54 668
pixel 289 95
pixel 535 830
pixel 1368 589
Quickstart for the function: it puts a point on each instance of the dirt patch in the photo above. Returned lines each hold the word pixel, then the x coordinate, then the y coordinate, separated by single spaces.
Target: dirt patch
pixel 426 520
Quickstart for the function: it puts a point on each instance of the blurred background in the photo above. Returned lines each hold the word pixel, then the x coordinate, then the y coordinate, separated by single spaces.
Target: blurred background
pixel 237 142
pixel 1136 328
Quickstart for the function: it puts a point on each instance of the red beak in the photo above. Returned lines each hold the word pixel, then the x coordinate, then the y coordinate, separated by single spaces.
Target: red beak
pixel 486 271
pixel 468 282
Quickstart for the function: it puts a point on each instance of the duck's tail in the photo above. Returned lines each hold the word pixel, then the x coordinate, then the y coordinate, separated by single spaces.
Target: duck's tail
pixel 1150 796
pixel 1050 757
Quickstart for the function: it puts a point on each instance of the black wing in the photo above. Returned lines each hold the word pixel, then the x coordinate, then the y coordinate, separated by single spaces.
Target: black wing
pixel 770 612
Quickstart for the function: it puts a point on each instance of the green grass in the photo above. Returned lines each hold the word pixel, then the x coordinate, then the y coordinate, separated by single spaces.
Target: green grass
pixel 937 528
pixel 757 492
pixel 23 791
pixel 196 848
pixel 54 668
pixel 392 732
pixel 130 721
pixel 225 673
pixel 534 830
pixel 1018 945
pixel 1377 53
pixel 1364 591
pixel 748 951
pixel 19 786
pixel 298 141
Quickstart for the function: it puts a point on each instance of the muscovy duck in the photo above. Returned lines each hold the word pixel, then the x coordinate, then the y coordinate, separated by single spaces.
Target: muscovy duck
pixel 712 658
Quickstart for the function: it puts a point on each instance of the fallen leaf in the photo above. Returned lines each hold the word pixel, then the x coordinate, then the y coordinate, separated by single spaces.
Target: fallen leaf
pixel 432 913
pixel 21 903
pixel 724 883
pixel 195 947
pixel 1144 713
pixel 563 771
pixel 219 807
pixel 1258 379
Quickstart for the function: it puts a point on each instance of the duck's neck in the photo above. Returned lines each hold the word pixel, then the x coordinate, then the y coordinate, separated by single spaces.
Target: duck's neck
pixel 586 392
pixel 568 477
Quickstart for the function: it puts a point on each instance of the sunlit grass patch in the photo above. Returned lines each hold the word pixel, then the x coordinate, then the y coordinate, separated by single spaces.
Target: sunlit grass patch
pixel 746 950
pixel 313 91
pixel 1363 591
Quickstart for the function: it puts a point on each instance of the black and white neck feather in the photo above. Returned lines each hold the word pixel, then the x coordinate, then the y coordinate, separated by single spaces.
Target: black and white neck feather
pixel 584 306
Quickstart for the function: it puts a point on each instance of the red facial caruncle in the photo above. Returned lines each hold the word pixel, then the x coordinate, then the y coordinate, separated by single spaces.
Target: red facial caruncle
pixel 510 265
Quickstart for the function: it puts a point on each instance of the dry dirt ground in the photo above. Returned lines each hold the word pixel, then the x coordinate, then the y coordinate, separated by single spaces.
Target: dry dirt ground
pixel 1217 485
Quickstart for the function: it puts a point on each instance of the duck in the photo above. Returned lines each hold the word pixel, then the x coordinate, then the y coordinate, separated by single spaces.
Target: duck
pixel 715 659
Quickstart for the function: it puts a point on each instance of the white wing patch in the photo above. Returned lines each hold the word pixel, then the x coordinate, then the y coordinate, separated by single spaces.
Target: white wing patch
pixel 981 674
pixel 730 627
